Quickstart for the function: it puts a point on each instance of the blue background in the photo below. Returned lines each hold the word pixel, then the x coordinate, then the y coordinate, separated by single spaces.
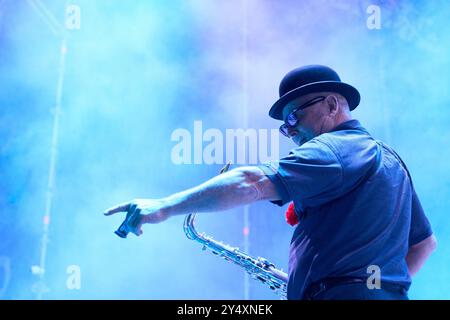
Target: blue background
pixel 138 70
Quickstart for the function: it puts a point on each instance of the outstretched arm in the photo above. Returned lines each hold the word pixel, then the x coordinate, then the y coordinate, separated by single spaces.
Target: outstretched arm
pixel 231 189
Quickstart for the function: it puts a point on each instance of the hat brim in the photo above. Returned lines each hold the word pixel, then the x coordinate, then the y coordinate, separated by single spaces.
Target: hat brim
pixel 349 92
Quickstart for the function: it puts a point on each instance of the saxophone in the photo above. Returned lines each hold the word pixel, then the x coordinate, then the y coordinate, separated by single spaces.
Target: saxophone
pixel 259 268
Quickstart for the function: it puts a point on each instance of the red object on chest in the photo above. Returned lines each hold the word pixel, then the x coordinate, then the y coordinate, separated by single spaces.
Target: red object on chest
pixel 291 217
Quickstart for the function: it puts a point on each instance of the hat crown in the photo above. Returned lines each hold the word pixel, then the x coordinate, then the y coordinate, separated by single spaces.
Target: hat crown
pixel 306 75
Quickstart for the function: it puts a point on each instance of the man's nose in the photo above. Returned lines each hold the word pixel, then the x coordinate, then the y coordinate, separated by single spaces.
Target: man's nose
pixel 292 131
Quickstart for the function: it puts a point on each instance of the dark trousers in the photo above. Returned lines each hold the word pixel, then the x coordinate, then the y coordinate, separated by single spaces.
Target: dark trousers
pixel 359 291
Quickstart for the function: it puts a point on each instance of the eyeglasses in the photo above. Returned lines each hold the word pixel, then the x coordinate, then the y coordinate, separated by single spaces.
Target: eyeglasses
pixel 292 120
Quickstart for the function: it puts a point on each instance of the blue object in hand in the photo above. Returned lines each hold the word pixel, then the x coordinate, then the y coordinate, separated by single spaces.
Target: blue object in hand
pixel 123 229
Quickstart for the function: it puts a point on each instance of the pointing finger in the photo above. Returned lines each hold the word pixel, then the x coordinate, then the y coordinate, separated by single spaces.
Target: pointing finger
pixel 124 207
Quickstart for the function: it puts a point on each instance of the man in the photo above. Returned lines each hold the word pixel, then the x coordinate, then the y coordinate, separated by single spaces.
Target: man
pixel 357 209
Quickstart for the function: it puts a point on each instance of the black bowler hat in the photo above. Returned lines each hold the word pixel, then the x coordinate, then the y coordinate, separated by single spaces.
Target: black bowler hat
pixel 309 79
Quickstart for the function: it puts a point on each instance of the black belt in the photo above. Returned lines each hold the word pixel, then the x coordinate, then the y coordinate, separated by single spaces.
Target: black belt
pixel 316 288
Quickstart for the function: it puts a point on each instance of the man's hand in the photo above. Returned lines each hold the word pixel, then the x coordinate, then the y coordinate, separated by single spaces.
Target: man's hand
pixel 140 211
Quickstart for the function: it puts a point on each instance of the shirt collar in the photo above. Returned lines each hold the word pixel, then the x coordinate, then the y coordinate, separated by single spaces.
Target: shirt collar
pixel 352 124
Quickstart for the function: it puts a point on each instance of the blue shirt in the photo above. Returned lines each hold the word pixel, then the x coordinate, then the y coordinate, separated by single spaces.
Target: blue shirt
pixel 356 207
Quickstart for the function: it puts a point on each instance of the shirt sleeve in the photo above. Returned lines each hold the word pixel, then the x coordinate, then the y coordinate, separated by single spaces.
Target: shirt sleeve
pixel 311 175
pixel 420 226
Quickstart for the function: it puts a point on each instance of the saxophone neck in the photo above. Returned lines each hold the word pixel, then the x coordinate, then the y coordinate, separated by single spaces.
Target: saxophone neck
pixel 189 228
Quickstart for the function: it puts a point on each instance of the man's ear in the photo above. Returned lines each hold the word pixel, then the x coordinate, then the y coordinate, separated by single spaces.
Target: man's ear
pixel 332 104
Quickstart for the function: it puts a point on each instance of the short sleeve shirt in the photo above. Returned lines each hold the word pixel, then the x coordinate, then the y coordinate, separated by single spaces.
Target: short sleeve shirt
pixel 356 207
